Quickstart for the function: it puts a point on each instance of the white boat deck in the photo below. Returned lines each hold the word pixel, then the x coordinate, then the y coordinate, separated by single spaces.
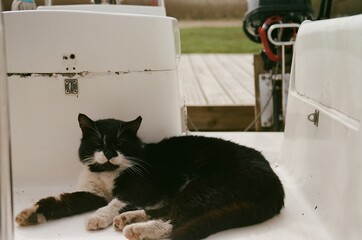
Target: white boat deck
pixel 296 221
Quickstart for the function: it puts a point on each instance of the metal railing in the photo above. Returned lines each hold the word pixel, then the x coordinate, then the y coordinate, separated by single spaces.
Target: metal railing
pixel 284 81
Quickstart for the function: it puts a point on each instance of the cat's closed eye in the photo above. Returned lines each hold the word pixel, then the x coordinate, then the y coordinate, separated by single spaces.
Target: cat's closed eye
pixel 120 142
pixel 99 144
pixel 96 144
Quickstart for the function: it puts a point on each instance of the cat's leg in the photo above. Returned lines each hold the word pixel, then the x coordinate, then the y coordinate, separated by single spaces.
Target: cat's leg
pixel 137 226
pixel 127 218
pixel 104 216
pixel 153 229
pixel 67 204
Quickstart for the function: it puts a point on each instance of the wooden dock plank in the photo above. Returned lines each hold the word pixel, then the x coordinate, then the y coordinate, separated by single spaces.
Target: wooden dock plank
pixel 214 93
pixel 241 67
pixel 233 88
pixel 199 78
pixel 245 62
pixel 219 118
pixel 191 89
pixel 218 91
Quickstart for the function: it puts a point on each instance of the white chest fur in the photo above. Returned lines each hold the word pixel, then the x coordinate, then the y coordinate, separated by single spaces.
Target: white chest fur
pixel 100 183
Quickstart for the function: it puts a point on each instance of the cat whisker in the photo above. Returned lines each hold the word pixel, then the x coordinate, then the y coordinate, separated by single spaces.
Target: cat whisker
pixel 140 160
pixel 88 160
pixel 141 168
pixel 136 170
pixel 144 168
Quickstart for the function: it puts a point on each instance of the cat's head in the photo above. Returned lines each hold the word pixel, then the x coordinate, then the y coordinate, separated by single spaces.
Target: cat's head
pixel 109 144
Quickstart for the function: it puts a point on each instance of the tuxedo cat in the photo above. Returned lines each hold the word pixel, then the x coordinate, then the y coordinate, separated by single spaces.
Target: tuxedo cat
pixel 185 187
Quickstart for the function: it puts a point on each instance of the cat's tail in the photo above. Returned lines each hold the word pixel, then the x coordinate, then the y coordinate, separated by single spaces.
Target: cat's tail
pixel 234 215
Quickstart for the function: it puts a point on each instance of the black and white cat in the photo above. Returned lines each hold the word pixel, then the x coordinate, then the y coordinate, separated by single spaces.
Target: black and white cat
pixel 185 187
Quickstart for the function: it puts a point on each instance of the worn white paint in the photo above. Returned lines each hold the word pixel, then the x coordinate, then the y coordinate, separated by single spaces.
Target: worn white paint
pixel 123 67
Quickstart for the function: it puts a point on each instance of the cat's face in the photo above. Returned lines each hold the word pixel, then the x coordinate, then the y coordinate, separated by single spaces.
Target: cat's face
pixel 109 144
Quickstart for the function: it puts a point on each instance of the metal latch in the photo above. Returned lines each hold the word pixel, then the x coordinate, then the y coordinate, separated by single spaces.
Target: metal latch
pixel 71 86
pixel 314 117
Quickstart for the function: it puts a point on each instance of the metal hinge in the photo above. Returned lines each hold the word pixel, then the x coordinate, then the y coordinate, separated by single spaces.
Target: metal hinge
pixel 71 86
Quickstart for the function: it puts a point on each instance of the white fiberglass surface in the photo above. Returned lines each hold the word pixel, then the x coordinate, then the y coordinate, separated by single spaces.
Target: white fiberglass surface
pixel 78 41
pixel 127 9
pixel 296 221
pixel 319 165
pixel 324 155
pixel 50 138
pixel 328 70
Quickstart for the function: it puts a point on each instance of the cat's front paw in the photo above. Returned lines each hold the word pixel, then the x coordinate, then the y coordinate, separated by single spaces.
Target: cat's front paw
pixel 151 230
pixel 30 216
pixel 97 221
pixel 133 233
pixel 127 218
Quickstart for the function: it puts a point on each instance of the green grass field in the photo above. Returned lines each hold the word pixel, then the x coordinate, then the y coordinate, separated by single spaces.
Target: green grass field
pixel 217 40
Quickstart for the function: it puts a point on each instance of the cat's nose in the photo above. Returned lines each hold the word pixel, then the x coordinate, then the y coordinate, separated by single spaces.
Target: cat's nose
pixel 109 154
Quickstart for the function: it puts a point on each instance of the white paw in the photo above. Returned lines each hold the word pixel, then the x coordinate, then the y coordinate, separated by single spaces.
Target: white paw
pixel 154 229
pixel 133 232
pixel 97 221
pixel 29 216
pixel 127 218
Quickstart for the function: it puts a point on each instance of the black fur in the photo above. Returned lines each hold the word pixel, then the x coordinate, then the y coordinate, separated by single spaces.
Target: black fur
pixel 201 185
pixel 206 184
pixel 69 204
pixel 65 205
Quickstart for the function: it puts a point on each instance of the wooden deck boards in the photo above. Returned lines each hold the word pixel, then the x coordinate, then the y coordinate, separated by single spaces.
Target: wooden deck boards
pixel 217 79
pixel 218 90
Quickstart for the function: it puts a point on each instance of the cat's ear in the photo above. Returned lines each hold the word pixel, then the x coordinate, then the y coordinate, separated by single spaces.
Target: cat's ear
pixel 134 125
pixel 85 123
